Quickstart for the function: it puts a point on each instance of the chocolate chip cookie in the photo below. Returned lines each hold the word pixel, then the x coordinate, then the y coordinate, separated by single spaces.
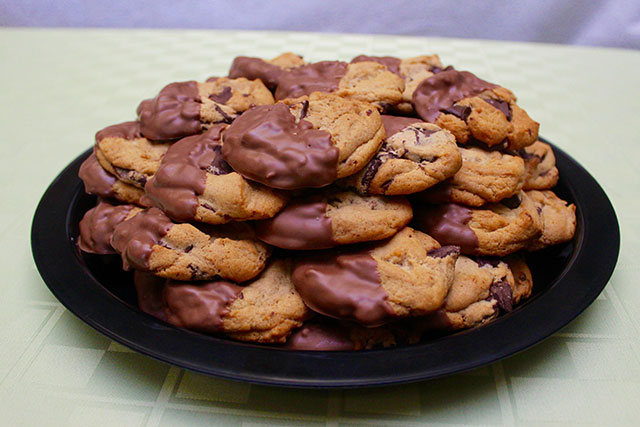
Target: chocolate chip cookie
pixel 409 275
pixel 149 241
pixel 540 162
pixel 194 183
pixel 414 156
pixel 334 218
pixel 557 219
pixel 188 108
pixel 474 110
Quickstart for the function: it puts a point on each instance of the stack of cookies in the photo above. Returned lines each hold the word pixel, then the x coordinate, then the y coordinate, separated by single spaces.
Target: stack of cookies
pixel 327 205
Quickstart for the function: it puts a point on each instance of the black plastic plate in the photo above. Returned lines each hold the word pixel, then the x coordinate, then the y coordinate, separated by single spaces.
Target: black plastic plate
pixel 567 279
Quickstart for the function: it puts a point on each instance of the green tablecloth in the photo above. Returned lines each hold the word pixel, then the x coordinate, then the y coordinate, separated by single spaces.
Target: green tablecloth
pixel 57 87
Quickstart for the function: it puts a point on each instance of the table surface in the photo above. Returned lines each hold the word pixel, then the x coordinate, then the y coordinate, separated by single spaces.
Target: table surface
pixel 58 87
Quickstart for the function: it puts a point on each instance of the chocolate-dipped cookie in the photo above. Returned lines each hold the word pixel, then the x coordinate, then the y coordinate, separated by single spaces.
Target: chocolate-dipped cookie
pixel 409 275
pixel 264 310
pixel 268 71
pixel 414 156
pixel 474 110
pixel 496 229
pixel 150 241
pixel 125 153
pixel 188 108
pixel 97 226
pixel 331 219
pixel 194 183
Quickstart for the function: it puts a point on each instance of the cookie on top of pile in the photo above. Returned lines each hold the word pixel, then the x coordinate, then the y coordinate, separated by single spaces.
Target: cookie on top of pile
pixel 329 205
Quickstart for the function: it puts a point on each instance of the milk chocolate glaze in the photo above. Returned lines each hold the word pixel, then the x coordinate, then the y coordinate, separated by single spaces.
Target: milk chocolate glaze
pixel 343 287
pixel 394 124
pixel 97 181
pixel 320 335
pixel 201 306
pixel 149 291
pixel 256 68
pixel 265 144
pixel 321 76
pixel 182 175
pixel 301 225
pixel 126 130
pixel 97 227
pixel 173 114
pixel 392 64
pixel 134 239
pixel 440 91
pixel 448 225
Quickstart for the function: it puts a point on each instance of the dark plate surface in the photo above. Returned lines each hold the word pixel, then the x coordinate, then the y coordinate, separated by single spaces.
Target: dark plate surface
pixel 567 279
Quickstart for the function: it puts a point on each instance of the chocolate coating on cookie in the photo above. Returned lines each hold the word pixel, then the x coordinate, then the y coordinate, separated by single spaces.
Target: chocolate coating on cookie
pixel 199 307
pixel 392 63
pixel 97 227
pixel 394 124
pixel 448 225
pixel 149 289
pixel 256 68
pixel 320 336
pixel 174 113
pixel 344 287
pixel 299 226
pixel 267 145
pixel 97 181
pixel 321 76
pixel 134 239
pixel 126 130
pixel 440 91
pixel 182 175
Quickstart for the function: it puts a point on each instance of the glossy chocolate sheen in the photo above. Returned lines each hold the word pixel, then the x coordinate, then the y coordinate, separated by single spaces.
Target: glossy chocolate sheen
pixel 299 226
pixel 394 124
pixel 199 306
pixel 502 293
pixel 222 97
pixel 149 292
pixel 126 130
pixel 173 114
pixel 97 227
pixel 392 63
pixel 317 77
pixel 256 68
pixel 344 287
pixel 320 336
pixel 442 90
pixel 182 175
pixel 97 181
pixel 135 238
pixel 265 144
pixel 448 225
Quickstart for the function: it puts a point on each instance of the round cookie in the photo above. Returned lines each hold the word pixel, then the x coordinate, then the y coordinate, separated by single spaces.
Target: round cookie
pixel 414 157
pixel 363 81
pixel 101 183
pixel 97 226
pixel 485 177
pixel 540 162
pixel 496 229
pixel 267 71
pixel 188 108
pixel 332 219
pixel 408 275
pixel 149 241
pixel 194 183
pixel 411 70
pixel 125 153
pixel 474 110
pixel 264 310
pixel 557 219
pixel 522 277
pixel 309 143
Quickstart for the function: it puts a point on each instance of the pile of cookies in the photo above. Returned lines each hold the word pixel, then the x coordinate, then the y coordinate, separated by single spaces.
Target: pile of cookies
pixel 327 205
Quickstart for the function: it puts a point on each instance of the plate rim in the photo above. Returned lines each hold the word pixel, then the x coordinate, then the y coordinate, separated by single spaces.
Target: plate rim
pixel 269 366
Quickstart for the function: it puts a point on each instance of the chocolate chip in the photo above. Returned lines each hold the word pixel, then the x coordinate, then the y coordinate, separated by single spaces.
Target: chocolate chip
pixel 484 260
pixel 218 165
pixel 305 109
pixel 444 251
pixel 503 294
pixel 188 249
pixel 131 175
pixel 196 273
pixel 225 117
pixel 370 172
pixel 503 106
pixel 222 97
pixel 460 111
